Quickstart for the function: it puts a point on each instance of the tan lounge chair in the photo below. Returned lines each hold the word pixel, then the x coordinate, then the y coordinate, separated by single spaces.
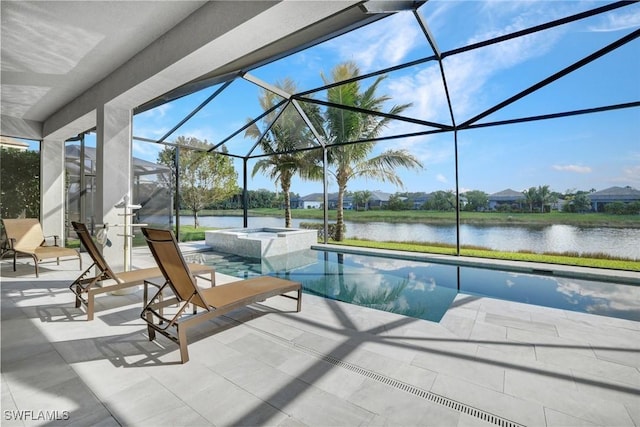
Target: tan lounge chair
pixel 86 287
pixel 215 301
pixel 25 236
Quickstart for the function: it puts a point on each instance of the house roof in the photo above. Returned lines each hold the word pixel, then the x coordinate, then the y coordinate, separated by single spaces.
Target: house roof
pixel 140 166
pixel 615 193
pixel 380 196
pixel 506 195
pixel 313 197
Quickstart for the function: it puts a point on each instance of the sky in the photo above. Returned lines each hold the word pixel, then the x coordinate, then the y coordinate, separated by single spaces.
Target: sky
pixel 593 151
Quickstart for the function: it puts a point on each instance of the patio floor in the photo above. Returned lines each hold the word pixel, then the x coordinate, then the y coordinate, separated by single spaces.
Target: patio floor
pixel 487 362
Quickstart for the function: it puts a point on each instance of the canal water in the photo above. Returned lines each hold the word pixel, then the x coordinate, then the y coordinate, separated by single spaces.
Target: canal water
pixel 624 242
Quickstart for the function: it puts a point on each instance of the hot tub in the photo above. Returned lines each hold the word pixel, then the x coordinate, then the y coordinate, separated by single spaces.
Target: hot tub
pixel 261 242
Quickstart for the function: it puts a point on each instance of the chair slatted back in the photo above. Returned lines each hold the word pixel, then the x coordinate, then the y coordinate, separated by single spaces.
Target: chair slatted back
pixel 165 250
pixel 93 251
pixel 26 232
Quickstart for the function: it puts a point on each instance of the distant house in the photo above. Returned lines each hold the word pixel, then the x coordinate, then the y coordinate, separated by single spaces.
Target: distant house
pixel 379 199
pixel 347 201
pixel 311 201
pixel 506 197
pixel 296 203
pixel 316 200
pixel 600 199
pixel 419 200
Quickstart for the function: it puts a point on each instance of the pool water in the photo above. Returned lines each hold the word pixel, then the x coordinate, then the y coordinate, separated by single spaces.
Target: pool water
pixel 426 290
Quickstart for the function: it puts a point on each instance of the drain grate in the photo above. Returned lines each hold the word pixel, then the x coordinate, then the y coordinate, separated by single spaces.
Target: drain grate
pixel 424 394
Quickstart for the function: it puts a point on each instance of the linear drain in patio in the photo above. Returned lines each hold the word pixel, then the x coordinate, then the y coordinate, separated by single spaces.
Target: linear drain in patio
pixel 424 394
pixel 435 398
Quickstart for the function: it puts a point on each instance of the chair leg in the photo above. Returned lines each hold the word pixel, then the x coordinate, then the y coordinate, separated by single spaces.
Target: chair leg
pixel 182 341
pixel 78 299
pixel 15 256
pixel 299 300
pixel 150 330
pixel 90 305
pixel 35 262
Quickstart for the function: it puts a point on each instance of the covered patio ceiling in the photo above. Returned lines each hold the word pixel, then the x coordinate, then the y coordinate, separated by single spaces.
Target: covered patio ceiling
pixel 63 59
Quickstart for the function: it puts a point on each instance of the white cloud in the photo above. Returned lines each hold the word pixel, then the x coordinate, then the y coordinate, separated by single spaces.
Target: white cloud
pixel 147 151
pixel 156 113
pixel 606 298
pixel 630 176
pixel 467 75
pixel 632 173
pixel 573 168
pixel 441 178
pixel 388 42
pixel 387 264
pixel 616 21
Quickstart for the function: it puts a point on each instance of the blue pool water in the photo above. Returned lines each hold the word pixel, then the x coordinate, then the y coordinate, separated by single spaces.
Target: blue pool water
pixel 426 290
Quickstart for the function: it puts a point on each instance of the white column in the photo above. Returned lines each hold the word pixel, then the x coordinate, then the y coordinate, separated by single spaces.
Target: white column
pixel 52 192
pixel 113 176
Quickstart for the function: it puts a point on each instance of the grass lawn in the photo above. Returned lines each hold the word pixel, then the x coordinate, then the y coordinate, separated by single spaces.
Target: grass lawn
pixel 584 261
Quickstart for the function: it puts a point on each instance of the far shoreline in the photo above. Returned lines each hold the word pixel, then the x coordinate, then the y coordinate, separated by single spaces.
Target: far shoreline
pixel 587 220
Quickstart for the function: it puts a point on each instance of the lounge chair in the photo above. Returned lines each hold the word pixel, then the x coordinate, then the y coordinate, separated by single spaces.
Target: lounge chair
pixel 87 286
pixel 25 236
pixel 215 301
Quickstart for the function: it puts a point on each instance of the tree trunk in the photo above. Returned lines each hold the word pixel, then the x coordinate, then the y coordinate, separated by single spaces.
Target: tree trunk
pixel 196 224
pixel 287 204
pixel 287 210
pixel 340 213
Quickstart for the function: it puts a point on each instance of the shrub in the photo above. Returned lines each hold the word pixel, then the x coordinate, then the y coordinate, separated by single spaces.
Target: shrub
pixel 332 229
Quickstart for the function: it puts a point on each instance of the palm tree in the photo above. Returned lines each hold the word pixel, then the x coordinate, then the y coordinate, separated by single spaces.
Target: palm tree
pixel 530 197
pixel 287 134
pixel 361 198
pixel 544 196
pixel 343 126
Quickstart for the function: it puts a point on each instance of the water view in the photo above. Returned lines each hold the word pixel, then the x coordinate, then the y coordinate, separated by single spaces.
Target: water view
pixel 622 242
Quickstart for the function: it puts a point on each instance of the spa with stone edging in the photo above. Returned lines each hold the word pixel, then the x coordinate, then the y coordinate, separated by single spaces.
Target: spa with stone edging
pixel 261 242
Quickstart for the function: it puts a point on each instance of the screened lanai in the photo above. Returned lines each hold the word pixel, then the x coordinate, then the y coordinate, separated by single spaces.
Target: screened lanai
pixel 493 98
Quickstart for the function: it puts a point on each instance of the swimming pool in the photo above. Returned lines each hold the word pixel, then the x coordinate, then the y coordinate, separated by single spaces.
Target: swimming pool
pixel 426 290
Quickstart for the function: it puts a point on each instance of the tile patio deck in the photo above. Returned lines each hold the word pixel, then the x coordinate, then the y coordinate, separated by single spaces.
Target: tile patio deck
pixel 333 364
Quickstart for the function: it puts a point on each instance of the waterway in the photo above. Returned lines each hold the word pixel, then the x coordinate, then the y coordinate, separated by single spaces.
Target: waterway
pixel 623 242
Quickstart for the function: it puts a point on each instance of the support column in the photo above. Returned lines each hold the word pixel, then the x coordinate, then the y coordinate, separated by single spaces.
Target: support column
pixel 113 178
pixel 52 191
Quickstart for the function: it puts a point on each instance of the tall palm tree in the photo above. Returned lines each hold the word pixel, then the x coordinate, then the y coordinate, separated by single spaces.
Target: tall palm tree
pixel 544 196
pixel 530 197
pixel 342 126
pixel 287 133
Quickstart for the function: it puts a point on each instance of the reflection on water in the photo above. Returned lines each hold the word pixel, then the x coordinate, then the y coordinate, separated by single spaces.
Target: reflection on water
pixel 426 290
pixel 622 242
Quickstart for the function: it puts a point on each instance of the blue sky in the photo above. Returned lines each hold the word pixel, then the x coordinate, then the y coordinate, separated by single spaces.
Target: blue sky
pixel 583 152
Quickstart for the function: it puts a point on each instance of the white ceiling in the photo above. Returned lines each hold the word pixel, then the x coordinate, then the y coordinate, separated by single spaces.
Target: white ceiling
pixel 57 57
pixel 54 51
